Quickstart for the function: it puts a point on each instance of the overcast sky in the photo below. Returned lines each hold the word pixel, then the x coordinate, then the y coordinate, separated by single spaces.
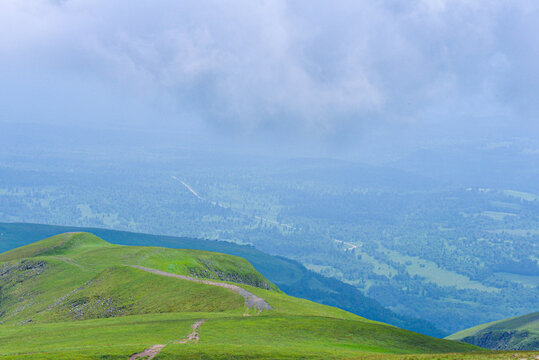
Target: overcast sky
pixel 305 72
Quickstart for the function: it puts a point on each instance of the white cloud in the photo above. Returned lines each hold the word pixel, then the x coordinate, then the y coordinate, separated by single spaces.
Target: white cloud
pixel 310 68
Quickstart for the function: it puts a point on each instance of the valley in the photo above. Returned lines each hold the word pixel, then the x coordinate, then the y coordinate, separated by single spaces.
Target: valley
pixel 426 250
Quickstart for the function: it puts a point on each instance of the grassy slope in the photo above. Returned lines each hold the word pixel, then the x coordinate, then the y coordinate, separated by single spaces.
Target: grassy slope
pixel 222 336
pixel 290 276
pixel 80 277
pixel 520 333
pixel 93 253
pixel 303 337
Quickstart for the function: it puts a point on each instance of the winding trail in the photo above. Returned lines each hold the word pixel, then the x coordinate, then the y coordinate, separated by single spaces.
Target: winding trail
pixel 251 300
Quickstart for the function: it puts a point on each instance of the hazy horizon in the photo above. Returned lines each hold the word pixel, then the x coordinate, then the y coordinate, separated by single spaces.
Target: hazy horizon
pixel 354 78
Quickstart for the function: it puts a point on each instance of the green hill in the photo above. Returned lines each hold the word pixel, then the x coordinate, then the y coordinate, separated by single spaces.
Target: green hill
pixel 77 296
pixel 290 276
pixel 518 333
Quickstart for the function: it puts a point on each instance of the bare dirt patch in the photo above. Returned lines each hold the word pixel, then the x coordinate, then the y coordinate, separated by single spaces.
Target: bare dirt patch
pixel 149 353
pixel 156 349
pixel 194 335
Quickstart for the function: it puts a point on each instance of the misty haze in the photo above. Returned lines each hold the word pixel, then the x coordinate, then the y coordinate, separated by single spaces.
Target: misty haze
pixel 261 179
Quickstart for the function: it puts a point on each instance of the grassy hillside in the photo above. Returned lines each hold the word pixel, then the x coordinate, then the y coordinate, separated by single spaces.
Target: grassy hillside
pixel 290 276
pixel 77 296
pixel 518 333
pixel 221 337
pixel 80 276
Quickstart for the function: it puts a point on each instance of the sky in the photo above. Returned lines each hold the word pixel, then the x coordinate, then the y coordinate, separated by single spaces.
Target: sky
pixel 313 75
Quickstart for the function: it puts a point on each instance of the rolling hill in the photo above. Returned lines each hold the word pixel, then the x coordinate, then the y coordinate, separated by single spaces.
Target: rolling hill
pixel 289 275
pixel 518 333
pixel 77 296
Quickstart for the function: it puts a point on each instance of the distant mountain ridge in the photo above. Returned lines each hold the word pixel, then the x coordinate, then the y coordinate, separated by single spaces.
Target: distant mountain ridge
pixel 290 276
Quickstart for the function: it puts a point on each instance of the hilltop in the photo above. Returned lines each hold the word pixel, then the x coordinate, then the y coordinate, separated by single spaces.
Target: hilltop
pixel 75 295
pixel 289 275
pixel 517 333
pixel 80 276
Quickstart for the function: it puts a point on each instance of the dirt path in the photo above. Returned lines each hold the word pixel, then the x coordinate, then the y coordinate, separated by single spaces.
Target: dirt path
pixel 194 335
pixel 156 349
pixel 251 300
pixel 150 353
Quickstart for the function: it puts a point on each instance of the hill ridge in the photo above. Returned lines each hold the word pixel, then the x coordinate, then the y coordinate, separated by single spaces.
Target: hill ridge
pixel 289 275
pixel 57 245
pixel 118 300
pixel 515 333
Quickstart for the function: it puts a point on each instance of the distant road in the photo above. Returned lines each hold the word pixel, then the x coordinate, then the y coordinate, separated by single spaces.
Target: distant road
pixel 192 191
pixel 349 246
pixel 188 188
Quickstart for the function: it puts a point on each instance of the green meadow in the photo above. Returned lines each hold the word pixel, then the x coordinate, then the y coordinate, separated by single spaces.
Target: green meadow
pixel 75 296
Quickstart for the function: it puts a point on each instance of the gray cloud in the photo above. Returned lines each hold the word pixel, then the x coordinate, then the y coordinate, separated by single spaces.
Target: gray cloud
pixel 313 70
